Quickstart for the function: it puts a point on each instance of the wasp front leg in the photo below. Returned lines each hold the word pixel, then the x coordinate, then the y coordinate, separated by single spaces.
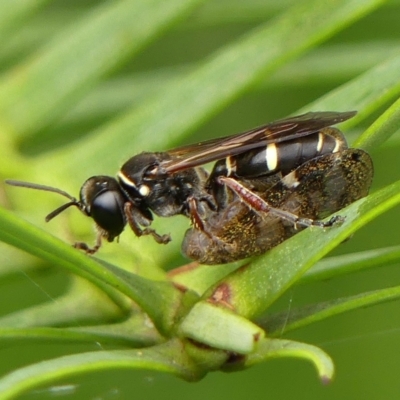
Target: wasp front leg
pixel 135 218
pixel 86 248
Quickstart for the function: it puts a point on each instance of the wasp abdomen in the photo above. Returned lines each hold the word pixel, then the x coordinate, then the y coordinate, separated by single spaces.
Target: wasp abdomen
pixel 285 156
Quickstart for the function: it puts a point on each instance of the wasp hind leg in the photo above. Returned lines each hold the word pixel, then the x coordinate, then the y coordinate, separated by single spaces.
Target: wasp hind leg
pixel 259 205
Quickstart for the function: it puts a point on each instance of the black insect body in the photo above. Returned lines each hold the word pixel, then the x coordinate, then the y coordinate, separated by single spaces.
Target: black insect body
pixel 174 182
pixel 313 191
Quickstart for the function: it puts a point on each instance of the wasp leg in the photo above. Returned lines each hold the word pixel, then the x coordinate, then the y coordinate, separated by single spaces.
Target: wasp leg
pixel 214 185
pixel 129 213
pixel 196 219
pixel 194 214
pixel 258 204
pixel 90 250
pixel 210 201
pixel 200 224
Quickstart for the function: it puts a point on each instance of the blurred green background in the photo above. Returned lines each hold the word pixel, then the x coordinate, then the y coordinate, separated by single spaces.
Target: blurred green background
pixel 364 344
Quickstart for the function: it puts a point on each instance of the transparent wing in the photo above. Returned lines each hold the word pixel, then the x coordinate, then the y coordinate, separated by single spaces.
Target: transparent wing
pixel 279 131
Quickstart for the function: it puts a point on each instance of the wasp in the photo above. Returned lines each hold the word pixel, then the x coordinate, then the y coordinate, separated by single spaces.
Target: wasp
pixel 174 182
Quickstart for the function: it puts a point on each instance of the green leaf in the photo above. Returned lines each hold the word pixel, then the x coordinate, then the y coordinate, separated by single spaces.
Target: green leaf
pixel 221 328
pixel 135 331
pixel 117 94
pixel 13 12
pixel 365 93
pixel 277 348
pixel 50 82
pixel 168 357
pixel 160 300
pixel 198 277
pixel 81 303
pixel 348 263
pixel 220 80
pixel 281 323
pixel 385 126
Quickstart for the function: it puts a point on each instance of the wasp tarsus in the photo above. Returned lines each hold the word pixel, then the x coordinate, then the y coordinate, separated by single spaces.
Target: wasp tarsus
pixel 86 248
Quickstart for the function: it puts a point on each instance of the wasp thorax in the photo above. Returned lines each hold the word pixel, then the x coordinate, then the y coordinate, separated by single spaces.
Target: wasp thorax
pixel 141 167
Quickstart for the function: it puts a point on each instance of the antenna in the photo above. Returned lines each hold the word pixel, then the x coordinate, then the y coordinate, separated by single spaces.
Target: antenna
pixel 36 186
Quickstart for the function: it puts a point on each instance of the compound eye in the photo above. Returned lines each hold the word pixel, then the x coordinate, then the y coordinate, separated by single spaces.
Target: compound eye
pixel 107 210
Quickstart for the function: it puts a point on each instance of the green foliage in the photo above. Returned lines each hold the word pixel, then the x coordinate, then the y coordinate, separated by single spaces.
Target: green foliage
pixel 74 102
